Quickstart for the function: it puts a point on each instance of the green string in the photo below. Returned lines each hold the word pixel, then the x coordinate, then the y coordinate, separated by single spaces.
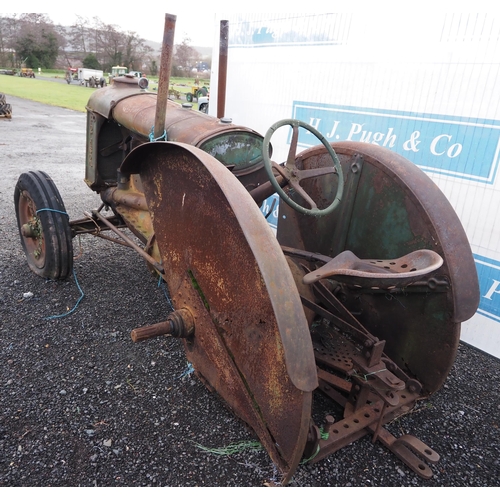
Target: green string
pixel 232 448
pixel 364 377
pixel 324 436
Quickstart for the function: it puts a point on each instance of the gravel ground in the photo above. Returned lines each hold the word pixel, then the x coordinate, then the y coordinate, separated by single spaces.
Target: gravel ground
pixel 81 405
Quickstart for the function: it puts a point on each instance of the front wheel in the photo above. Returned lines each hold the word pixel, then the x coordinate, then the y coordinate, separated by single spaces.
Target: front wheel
pixel 43 226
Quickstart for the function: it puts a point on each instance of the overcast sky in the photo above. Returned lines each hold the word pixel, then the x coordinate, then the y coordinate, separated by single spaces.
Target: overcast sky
pixel 197 19
pixel 150 24
pixel 147 19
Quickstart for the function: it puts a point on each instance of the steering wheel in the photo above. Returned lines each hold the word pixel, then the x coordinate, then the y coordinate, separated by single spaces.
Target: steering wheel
pixel 294 176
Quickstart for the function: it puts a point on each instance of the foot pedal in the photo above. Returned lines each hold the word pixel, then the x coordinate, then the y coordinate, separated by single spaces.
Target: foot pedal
pixel 411 451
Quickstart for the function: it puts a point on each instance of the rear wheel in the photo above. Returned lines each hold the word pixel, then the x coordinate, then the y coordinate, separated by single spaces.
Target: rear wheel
pixel 202 92
pixel 43 226
pixel 389 209
pixel 256 353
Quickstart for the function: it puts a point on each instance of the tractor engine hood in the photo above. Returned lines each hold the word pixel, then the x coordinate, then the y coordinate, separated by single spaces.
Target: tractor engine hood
pixel 239 148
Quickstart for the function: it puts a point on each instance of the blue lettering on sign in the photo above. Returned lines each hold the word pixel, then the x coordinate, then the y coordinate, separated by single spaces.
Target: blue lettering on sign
pixel 460 147
pixel 488 271
pixel 270 209
pixel 287 30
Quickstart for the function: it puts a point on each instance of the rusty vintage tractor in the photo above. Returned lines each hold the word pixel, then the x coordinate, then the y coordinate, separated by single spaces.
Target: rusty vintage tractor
pixel 359 295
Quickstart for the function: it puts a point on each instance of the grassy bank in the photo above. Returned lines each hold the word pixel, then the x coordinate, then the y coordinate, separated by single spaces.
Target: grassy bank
pixel 55 94
pixel 72 96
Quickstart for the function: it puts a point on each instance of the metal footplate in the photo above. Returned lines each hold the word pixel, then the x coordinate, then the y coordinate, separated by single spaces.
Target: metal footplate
pixel 410 450
pixel 372 394
pixel 368 420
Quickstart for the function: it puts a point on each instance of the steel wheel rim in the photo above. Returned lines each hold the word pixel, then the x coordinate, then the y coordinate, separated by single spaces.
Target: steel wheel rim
pixel 35 246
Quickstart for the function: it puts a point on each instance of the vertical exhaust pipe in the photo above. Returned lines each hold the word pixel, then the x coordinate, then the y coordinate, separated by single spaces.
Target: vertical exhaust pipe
pixel 167 53
pixel 223 50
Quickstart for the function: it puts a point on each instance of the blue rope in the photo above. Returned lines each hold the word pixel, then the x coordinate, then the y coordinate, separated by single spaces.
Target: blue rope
pixel 187 372
pixel 163 137
pixel 161 284
pixel 51 210
pixel 77 302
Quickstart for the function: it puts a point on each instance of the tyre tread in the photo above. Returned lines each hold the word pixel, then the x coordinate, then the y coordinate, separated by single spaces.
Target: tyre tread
pixel 57 232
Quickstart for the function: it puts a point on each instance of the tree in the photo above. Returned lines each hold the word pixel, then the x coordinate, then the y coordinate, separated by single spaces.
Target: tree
pixel 79 35
pixel 153 67
pixel 184 59
pixel 136 51
pixel 34 40
pixel 8 29
pixel 110 43
pixel 50 48
pixel 91 62
pixel 37 43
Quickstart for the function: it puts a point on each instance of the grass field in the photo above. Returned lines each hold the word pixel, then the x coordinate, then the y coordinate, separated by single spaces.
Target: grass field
pixel 56 94
pixel 68 96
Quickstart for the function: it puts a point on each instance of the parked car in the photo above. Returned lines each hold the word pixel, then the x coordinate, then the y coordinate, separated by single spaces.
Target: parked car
pixel 203 103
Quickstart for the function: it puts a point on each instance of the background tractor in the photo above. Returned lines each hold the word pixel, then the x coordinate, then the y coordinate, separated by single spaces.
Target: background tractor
pixel 196 92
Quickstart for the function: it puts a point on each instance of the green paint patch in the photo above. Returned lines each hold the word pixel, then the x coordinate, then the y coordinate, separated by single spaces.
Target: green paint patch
pixel 197 287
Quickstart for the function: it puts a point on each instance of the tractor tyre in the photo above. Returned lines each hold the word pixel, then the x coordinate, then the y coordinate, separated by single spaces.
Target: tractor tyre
pixel 6 110
pixel 189 97
pixel 43 226
pixel 202 92
pixel 2 99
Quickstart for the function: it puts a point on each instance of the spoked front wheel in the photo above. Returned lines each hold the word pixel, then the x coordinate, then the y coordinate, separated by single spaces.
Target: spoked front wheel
pixel 43 226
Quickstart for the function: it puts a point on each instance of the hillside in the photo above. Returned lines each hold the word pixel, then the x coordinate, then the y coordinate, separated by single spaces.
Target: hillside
pixel 204 51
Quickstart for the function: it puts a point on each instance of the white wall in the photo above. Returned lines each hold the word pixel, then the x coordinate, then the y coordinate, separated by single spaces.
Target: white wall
pixel 425 86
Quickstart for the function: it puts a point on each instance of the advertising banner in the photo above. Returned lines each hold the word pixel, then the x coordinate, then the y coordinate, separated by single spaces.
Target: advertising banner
pixel 428 90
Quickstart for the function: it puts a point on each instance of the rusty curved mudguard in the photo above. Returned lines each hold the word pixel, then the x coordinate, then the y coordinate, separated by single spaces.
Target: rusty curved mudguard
pixel 391 208
pixel 223 263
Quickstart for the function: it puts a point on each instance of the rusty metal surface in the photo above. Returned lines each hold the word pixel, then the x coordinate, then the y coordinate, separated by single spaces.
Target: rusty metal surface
pixel 378 273
pixel 137 112
pixel 167 53
pixel 221 82
pixel 129 242
pixel 132 115
pixel 363 303
pixel 31 231
pixel 251 341
pixel 105 99
pixel 389 209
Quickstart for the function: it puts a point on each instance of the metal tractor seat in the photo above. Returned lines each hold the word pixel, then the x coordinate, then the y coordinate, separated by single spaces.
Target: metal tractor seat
pixel 377 273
